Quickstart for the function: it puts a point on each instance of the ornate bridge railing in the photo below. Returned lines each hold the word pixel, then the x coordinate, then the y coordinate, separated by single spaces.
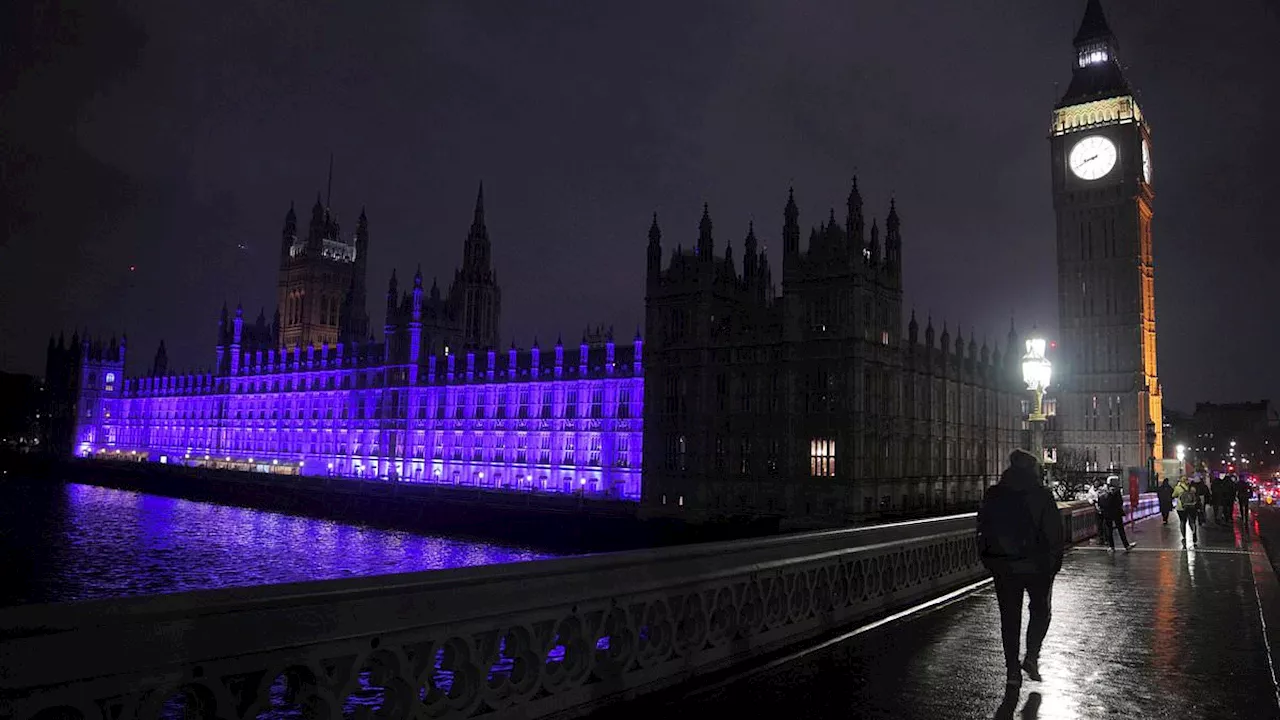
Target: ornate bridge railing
pixel 526 640
pixel 1079 522
pixel 529 640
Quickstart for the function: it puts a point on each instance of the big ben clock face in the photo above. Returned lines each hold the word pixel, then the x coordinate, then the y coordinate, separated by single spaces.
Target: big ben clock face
pixel 1146 162
pixel 1092 157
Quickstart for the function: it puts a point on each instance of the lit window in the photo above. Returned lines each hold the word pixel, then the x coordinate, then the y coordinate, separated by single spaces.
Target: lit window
pixel 110 381
pixel 822 457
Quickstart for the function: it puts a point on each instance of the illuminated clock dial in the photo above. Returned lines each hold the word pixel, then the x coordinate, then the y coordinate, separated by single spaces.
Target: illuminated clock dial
pixel 1092 157
pixel 1146 162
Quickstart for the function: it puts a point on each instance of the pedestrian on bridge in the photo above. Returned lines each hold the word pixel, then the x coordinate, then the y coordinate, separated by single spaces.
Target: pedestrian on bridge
pixel 1244 491
pixel 1094 496
pixel 1165 495
pixel 1112 504
pixel 1185 494
pixel 1020 541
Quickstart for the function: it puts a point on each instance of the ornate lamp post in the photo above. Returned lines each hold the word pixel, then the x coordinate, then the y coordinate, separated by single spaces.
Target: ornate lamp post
pixel 1036 372
pixel 1151 456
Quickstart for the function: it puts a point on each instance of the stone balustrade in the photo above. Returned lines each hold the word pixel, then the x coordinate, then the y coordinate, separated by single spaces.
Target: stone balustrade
pixel 1078 517
pixel 506 641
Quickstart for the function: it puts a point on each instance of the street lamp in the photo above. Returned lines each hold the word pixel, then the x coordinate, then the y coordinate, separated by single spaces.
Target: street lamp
pixel 1151 455
pixel 1036 372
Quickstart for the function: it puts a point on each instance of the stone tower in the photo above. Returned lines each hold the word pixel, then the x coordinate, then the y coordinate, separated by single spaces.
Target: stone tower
pixel 1100 153
pixel 475 294
pixel 321 286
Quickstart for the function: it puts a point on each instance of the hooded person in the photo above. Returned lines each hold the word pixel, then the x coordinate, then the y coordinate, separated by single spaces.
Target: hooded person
pixel 1020 540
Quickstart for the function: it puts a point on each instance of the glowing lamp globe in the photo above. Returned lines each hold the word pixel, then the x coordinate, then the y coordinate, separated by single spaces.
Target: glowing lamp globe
pixel 1036 369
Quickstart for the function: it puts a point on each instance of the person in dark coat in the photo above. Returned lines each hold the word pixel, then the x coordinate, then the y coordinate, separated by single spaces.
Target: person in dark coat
pixel 1224 496
pixel 1244 491
pixel 1020 540
pixel 1165 494
pixel 1113 515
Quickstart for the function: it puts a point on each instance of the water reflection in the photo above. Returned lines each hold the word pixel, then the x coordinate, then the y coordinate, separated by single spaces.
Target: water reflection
pixel 76 542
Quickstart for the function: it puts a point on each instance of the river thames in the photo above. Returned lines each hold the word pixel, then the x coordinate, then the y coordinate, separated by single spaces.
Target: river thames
pixel 61 542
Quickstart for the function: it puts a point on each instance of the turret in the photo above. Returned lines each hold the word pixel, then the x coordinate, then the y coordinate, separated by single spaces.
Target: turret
pixel 706 244
pixel 853 220
pixel 475 255
pixel 913 329
pixel 893 242
pixel 289 235
pixel 655 250
pixel 393 294
pixel 161 364
pixel 750 255
pixel 237 329
pixel 791 226
pixel 874 250
pixel 316 231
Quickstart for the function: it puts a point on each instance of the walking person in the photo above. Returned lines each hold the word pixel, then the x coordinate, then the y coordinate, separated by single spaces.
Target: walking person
pixel 1020 540
pixel 1244 491
pixel 1202 497
pixel 1094 496
pixel 1165 495
pixel 1185 494
pixel 1224 496
pixel 1113 517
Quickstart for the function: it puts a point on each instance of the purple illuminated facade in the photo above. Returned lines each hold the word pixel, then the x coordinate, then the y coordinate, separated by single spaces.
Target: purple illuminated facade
pixel 430 403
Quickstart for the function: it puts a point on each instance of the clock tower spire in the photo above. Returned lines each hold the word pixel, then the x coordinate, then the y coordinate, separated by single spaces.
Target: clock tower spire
pixel 1100 153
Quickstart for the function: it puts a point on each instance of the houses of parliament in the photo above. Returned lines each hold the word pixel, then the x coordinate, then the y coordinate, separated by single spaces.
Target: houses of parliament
pixel 823 403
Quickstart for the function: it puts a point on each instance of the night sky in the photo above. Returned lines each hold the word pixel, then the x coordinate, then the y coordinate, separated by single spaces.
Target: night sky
pixel 173 136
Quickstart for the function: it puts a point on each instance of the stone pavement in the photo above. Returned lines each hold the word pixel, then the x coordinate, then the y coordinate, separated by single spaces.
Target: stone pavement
pixel 1159 632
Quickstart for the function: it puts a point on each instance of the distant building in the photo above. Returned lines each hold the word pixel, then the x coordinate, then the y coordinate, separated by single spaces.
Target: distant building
pixel 435 401
pixel 1229 437
pixel 21 413
pixel 1108 389
pixel 811 404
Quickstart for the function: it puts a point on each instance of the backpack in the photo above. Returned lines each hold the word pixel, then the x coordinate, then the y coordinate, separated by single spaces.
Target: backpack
pixel 1006 527
pixel 1188 499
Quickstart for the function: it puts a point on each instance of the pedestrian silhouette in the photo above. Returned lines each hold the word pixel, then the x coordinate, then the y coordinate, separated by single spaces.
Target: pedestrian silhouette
pixel 1021 542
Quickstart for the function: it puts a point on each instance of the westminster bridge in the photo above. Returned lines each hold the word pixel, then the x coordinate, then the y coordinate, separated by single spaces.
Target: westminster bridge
pixel 888 621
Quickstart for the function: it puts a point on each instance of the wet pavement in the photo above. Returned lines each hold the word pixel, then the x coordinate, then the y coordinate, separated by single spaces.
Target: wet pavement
pixel 1159 632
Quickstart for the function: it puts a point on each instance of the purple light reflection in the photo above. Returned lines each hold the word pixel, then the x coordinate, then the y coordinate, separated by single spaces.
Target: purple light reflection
pixel 94 542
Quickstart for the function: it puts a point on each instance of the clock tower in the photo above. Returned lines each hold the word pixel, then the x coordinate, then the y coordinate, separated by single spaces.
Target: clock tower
pixel 1102 197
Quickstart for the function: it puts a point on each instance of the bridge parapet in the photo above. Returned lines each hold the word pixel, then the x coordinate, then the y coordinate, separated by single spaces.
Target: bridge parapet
pixel 504 641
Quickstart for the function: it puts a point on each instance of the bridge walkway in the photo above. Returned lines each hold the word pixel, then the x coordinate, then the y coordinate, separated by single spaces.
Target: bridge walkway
pixel 1158 632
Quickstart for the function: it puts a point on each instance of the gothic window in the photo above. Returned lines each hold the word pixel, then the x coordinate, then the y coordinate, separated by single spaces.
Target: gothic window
pixel 571 404
pixel 624 403
pixel 568 449
pixel 594 451
pixel 744 456
pixel 546 404
pixel 597 402
pixel 721 454
pixel 822 457
pixel 673 394
pixel 722 391
pixel 682 453
pixel 622 450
